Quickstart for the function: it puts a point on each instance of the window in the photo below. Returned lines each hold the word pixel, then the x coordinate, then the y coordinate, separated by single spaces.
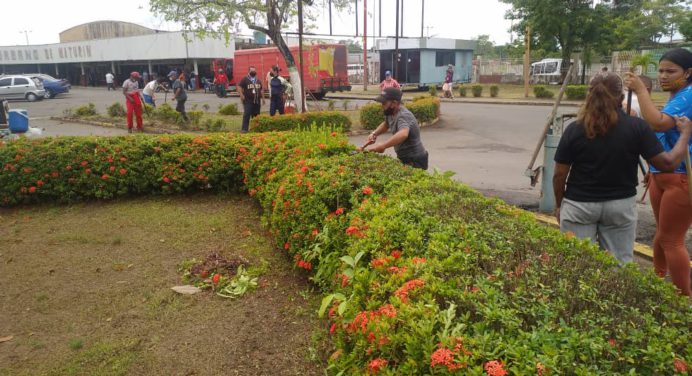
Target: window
pixel 5 82
pixel 21 81
pixel 443 58
pixel 551 67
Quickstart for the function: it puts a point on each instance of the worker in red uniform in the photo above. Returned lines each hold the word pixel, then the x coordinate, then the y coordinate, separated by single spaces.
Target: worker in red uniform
pixel 221 82
pixel 133 101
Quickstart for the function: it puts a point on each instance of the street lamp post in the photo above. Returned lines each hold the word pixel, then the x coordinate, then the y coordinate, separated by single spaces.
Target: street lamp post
pixel 26 35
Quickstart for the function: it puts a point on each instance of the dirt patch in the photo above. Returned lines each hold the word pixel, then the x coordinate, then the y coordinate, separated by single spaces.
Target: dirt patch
pixel 86 290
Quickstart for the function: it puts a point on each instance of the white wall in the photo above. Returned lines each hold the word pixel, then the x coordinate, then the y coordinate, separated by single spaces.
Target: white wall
pixel 159 46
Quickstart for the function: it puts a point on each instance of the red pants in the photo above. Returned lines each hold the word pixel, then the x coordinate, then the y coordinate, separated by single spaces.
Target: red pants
pixel 134 104
pixel 670 200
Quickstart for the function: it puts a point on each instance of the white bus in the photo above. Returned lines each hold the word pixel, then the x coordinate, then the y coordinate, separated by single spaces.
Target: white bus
pixel 546 71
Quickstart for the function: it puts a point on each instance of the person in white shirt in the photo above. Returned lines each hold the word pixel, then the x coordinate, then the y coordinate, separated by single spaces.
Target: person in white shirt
pixel 149 91
pixel 109 81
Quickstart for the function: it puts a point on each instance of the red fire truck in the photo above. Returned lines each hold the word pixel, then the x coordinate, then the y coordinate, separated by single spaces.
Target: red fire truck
pixel 324 66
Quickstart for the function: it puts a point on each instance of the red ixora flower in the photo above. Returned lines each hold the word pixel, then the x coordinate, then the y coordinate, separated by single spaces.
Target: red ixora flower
pixel 376 365
pixel 334 134
pixel 123 171
pixel 680 366
pixel 32 189
pixel 339 211
pixel 612 342
pixel 444 357
pixel 105 177
pixel 216 278
pixel 322 146
pixel 166 179
pixel 39 183
pixel 396 253
pixel 495 368
pixel 352 230
pixel 418 260
pixel 367 191
pixel 403 291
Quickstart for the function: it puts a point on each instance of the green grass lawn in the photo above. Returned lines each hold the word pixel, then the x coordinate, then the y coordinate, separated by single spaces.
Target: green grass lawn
pixel 86 290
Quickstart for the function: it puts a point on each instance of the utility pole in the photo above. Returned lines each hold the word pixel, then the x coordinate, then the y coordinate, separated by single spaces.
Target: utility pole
pixel 26 35
pixel 422 18
pixel 300 54
pixel 379 13
pixel 330 17
pixel 365 45
pixel 396 43
pixel 402 18
pixel 357 17
pixel 527 60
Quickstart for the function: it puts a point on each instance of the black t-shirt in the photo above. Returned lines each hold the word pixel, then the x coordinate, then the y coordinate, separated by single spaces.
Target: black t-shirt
pixel 251 90
pixel 605 168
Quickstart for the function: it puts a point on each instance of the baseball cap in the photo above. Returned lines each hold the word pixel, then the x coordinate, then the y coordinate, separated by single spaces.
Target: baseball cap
pixel 134 74
pixel 387 73
pixel 389 94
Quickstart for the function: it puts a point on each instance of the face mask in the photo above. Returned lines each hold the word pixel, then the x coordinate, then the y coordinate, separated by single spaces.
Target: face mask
pixel 678 84
pixel 253 74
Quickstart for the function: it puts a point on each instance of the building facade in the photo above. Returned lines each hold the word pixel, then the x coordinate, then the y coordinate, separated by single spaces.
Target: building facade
pixel 84 57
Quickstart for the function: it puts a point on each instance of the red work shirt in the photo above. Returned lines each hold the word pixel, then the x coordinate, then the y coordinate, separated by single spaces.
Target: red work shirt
pixel 220 79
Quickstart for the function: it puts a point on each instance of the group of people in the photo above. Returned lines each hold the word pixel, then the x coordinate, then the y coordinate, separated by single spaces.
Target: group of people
pixel 598 155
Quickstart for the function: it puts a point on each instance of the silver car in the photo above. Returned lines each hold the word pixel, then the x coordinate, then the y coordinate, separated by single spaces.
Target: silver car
pixel 21 87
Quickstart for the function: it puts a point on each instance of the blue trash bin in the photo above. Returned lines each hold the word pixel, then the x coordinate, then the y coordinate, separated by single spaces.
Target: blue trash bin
pixel 18 121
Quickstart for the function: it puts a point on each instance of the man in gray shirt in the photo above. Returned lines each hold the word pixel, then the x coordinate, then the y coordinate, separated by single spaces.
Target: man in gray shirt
pixel 405 131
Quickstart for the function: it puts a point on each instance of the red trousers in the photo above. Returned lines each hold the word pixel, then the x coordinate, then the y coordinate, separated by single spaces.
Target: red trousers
pixel 673 211
pixel 134 105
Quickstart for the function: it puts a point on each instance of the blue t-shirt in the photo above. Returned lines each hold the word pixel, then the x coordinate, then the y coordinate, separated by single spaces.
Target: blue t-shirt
pixel 679 105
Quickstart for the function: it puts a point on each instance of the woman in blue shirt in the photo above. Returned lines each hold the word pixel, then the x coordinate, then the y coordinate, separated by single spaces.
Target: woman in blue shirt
pixel 670 196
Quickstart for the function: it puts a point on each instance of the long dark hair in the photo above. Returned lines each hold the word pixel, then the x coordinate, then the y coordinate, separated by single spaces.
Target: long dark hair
pixel 601 110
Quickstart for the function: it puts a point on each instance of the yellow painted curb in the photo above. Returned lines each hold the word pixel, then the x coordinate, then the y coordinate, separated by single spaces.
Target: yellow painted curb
pixel 640 249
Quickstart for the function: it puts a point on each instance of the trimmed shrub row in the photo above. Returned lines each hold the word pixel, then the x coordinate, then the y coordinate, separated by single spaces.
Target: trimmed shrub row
pixel 424 108
pixel 542 92
pixel 576 92
pixel 422 275
pixel 328 119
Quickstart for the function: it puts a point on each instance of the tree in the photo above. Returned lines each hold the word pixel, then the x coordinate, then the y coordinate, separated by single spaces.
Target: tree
pixel 221 18
pixel 485 47
pixel 686 27
pixel 554 23
pixel 352 46
pixel 646 23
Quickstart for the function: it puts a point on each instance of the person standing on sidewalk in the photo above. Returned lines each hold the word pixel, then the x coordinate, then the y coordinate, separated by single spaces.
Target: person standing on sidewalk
pixel 405 131
pixel 389 82
pixel 220 82
pixel 180 96
pixel 133 101
pixel 449 82
pixel 669 192
pixel 109 81
pixel 250 90
pixel 277 93
pixel 595 180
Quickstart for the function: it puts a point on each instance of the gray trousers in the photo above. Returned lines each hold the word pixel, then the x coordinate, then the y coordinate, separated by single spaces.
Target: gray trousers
pixel 611 224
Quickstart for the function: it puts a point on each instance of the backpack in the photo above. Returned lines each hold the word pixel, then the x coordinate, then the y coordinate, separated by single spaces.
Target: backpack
pixel 277 86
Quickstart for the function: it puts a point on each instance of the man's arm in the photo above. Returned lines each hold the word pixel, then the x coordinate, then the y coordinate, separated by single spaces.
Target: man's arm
pixel 383 127
pixel 559 182
pixel 127 97
pixel 241 92
pixel 397 139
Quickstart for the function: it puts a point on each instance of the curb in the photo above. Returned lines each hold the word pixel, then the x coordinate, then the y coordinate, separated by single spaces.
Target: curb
pixel 641 250
pixel 150 130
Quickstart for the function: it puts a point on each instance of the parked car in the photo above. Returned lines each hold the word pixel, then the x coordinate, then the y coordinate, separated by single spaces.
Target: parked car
pixel 53 86
pixel 21 87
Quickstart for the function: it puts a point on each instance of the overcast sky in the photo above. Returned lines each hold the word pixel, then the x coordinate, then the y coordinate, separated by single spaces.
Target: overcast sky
pixel 461 19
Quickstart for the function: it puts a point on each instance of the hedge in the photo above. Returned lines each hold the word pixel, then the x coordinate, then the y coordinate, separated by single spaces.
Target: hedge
pixel 329 119
pixel 576 92
pixel 421 274
pixel 542 92
pixel 424 108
